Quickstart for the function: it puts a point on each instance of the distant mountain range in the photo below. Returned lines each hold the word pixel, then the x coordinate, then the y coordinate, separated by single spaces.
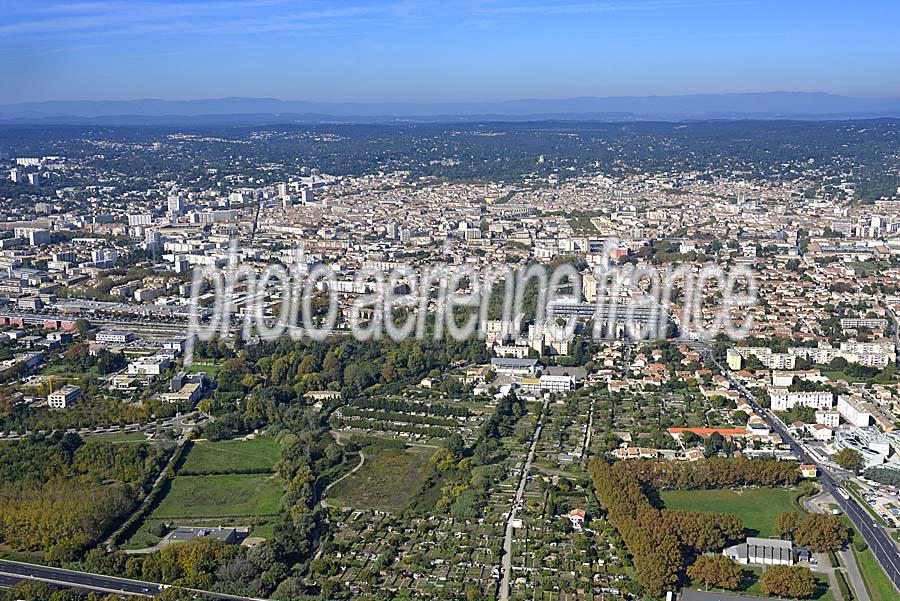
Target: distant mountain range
pixel 245 111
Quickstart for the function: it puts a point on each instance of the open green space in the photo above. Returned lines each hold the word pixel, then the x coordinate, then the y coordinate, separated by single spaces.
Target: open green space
pixel 387 481
pixel 582 225
pixel 757 507
pixel 62 372
pixel 211 369
pixel 226 456
pixel 220 496
pixel 877 583
pixel 116 437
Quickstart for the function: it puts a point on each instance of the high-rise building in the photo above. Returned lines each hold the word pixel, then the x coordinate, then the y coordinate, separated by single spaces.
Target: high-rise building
pixel 176 204
pixel 140 219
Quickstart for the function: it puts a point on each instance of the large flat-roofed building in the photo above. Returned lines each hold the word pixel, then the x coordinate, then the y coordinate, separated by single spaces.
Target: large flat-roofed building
pixel 855 410
pixel 63 397
pixel 784 399
pixel 188 394
pixel 114 337
pixel 514 367
pixel 153 365
pixel 762 551
pixel 618 320
pixel 183 534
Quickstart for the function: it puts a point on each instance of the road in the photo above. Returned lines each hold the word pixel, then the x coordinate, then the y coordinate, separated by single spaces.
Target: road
pixel 12 572
pixel 876 537
pixel 520 494
pixel 821 503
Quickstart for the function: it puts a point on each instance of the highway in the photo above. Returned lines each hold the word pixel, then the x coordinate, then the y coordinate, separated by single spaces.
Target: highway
pixel 12 572
pixel 876 537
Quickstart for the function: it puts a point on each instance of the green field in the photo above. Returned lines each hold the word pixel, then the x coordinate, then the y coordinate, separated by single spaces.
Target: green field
pixel 757 507
pixel 878 584
pixel 231 456
pixel 211 369
pixel 117 437
pixel 219 496
pixel 387 480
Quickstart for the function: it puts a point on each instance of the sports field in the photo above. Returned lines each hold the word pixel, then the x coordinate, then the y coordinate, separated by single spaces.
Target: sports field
pixel 757 507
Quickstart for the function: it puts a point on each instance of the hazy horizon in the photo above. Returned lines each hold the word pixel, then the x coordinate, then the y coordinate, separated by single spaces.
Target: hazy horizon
pixel 457 51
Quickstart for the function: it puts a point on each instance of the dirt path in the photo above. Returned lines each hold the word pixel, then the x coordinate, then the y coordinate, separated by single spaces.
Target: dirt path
pixel 362 461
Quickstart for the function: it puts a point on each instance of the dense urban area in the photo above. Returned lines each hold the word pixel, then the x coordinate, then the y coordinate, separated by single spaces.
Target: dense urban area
pixel 137 460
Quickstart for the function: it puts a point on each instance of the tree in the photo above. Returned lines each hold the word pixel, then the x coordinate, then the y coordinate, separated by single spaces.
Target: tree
pixel 787 524
pixel 788 581
pixel 456 444
pixel 849 459
pixel 838 363
pixel 82 326
pixel 716 571
pixel 714 444
pixel 820 533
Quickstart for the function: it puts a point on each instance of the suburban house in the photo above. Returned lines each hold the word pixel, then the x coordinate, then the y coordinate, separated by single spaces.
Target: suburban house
pixel 576 516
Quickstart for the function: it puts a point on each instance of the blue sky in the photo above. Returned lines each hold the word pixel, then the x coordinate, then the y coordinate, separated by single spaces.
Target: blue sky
pixel 450 50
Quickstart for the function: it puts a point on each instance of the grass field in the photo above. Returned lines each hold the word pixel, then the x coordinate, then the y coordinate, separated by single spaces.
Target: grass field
pixel 117 437
pixel 211 369
pixel 387 480
pixel 231 456
pixel 757 507
pixel 217 496
pixel 878 584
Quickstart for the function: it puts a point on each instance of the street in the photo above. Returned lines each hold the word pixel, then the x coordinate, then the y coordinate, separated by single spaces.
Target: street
pixel 12 572
pixel 878 540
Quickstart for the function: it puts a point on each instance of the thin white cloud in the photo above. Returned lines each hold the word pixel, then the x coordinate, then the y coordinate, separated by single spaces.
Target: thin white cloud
pixel 213 17
pixel 562 8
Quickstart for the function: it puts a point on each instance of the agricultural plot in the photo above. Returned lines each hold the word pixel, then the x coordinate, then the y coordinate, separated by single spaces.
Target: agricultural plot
pixel 387 480
pixel 426 557
pixel 221 496
pixel 227 482
pixel 231 456
pixel 416 416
